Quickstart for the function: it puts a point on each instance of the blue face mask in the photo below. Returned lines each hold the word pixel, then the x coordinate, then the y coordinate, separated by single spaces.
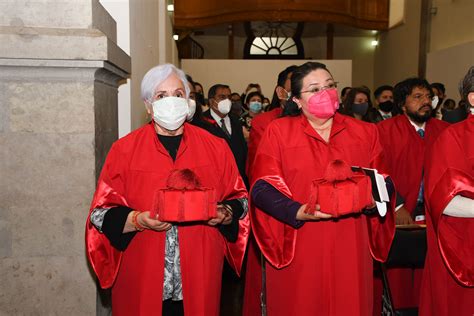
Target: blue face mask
pixel 255 106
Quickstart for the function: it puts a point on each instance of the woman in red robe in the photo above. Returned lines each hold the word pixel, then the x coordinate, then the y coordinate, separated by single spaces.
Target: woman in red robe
pixel 316 265
pixel 154 267
pixel 448 279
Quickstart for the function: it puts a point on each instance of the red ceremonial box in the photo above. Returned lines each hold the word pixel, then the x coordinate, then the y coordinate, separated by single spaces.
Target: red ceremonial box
pixel 184 199
pixel 174 205
pixel 341 191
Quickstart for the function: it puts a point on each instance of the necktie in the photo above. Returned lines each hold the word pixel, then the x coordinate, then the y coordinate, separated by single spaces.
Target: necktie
pixel 224 128
pixel 421 132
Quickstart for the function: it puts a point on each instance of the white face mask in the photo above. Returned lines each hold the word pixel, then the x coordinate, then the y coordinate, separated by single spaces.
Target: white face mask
pixel 434 102
pixel 472 110
pixel 192 109
pixel 170 112
pixel 224 106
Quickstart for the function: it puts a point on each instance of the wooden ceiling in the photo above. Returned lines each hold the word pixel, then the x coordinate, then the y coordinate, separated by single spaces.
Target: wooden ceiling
pixel 359 14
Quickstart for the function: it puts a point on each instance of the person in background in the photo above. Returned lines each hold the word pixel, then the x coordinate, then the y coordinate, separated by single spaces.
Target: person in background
pixel 220 122
pixel 315 264
pixel 265 104
pixel 281 95
pixel 357 103
pixel 200 96
pixel 439 95
pixel 344 93
pixel 194 106
pixel 384 106
pixel 237 107
pixel 405 139
pixel 255 106
pixel 448 279
pixel 251 87
pixel 155 267
pixel 452 112
pixel 439 90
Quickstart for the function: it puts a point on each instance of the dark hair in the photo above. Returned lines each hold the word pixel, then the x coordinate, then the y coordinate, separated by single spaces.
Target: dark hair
pixel 291 108
pixel 198 84
pixel 347 104
pixel 212 90
pixel 449 104
pixel 466 86
pixel 190 79
pixel 344 90
pixel 381 89
pixel 404 88
pixel 234 93
pixel 439 86
pixel 251 95
pixel 282 76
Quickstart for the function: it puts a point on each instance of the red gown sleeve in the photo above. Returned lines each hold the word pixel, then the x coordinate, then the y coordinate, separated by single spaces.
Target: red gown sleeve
pixel 381 229
pixel 276 240
pixel 449 172
pixel 103 257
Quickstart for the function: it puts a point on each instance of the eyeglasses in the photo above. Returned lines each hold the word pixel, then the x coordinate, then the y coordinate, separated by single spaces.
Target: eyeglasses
pixel 314 90
pixel 420 97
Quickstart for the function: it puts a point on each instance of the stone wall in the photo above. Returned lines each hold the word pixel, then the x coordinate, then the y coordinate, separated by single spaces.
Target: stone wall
pixel 58 118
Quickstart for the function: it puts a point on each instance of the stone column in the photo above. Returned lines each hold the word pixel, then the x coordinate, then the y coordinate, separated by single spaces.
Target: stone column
pixel 59 73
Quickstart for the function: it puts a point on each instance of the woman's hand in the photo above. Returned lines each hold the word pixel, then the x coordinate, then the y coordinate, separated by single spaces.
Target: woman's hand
pixel 303 216
pixel 224 216
pixel 144 220
pixel 403 217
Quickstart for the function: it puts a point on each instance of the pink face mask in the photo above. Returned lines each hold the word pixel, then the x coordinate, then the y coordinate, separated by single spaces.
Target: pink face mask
pixel 324 104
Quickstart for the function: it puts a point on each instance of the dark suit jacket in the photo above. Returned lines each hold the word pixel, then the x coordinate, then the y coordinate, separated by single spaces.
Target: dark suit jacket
pixel 236 142
pixel 374 116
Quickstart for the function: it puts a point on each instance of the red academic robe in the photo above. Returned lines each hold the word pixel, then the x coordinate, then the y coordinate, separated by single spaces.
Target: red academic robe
pixel 404 153
pixel 253 271
pixel 259 124
pixel 137 165
pixel 448 279
pixel 324 267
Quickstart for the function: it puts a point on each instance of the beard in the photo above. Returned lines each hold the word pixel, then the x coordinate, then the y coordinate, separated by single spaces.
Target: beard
pixel 419 118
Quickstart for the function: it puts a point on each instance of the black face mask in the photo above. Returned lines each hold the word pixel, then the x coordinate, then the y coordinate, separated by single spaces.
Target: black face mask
pixel 386 106
pixel 360 108
pixel 454 116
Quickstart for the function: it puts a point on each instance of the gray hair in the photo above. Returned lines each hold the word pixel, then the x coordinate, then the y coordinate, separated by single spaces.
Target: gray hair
pixel 156 75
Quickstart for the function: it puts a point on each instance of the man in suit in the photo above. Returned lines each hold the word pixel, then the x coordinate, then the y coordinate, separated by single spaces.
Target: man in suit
pixel 384 106
pixel 220 122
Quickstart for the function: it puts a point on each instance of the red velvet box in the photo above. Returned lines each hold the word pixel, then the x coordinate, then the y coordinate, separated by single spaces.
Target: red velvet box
pixel 342 192
pixel 175 205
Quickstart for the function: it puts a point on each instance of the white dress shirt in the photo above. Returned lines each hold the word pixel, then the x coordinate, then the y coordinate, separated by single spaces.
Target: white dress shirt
pixel 217 118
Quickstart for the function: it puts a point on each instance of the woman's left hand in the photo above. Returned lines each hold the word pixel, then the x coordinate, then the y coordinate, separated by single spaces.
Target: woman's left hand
pixel 224 216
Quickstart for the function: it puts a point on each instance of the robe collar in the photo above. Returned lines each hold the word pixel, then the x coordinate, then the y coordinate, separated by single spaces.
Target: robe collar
pixel 159 146
pixel 338 125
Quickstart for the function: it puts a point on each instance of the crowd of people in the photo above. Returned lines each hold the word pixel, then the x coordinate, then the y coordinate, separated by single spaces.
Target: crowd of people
pixel 265 166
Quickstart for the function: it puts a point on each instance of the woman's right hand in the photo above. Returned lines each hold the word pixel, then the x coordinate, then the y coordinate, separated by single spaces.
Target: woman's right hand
pixel 147 222
pixel 301 215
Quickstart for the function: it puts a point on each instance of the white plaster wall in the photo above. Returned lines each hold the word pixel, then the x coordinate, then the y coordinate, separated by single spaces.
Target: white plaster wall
pixel 452 23
pixel 151 43
pixel 449 66
pixel 120 11
pixel 396 56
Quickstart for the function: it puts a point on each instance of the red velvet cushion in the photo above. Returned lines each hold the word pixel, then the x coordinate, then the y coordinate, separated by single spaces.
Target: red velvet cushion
pixel 341 197
pixel 341 191
pixel 173 205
